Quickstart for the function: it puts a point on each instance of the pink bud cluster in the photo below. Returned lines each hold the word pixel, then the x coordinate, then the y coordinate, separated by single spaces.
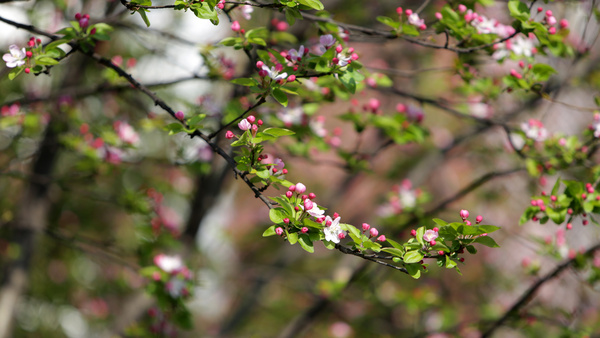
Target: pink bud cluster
pixel 550 21
pixel 412 18
pixel 373 232
pixel 83 20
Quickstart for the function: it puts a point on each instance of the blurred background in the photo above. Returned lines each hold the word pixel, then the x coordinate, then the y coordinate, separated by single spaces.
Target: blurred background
pixel 93 195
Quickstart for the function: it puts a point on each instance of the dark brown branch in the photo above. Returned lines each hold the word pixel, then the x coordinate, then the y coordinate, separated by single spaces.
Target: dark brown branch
pixel 529 293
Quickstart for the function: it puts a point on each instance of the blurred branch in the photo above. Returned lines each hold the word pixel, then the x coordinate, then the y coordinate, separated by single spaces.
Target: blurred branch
pixel 529 293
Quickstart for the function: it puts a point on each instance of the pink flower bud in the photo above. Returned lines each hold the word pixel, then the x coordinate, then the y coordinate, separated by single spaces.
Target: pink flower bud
pixel 244 125
pixel 292 188
pixel 263 73
pixel 365 226
pixel 564 23
pixel 478 219
pixel 539 9
pixel 516 74
pixel 179 115
pixel 291 78
pixel 304 230
pixel 354 56
pixel 335 215
pixel 342 235
pixel 373 232
pixel 551 20
pixel 569 226
pixel 260 122
pixel 78 16
pixel 259 64
pixel 286 220
pixel 438 15
pixel 399 10
pixel 254 128
pixel 300 188
pixel 251 118
pixel 436 229
pixel 433 242
pixel 279 231
pixel 585 222
pixel 308 204
pixel 413 232
pixel 441 253
pixel 289 194
pixel 381 238
pixel 548 13
pixel 235 26
pixel 229 135
pixel 339 48
pixel 468 223
pixel 464 214
pixel 312 196
pixel 279 67
pixel 408 12
pixel 462 8
pixel 304 197
pixel 284 171
pixel 552 30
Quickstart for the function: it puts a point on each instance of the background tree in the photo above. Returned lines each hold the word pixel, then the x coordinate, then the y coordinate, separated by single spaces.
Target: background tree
pixel 145 156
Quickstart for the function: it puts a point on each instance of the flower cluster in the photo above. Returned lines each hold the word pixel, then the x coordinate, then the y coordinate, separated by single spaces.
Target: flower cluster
pixel 534 129
pixel 403 197
pixel 412 18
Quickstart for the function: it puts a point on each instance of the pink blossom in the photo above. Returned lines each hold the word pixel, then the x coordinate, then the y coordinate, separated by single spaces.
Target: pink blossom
pixel 333 232
pixel 244 125
pixel 126 132
pixel 464 214
pixel 381 238
pixel 414 19
pixel 179 115
pixel 279 231
pixel 365 226
pixel 373 232
pixel 169 264
pixel 229 135
pixel 15 57
pixel 534 129
pixel 300 188
pixel 430 235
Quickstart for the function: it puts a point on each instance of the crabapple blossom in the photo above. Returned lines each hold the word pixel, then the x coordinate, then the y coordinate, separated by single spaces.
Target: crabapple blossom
pixel 414 20
pixel 126 132
pixel 244 125
pixel 235 26
pixel 314 209
pixel 16 57
pixel 247 11
pixel 229 135
pixel 179 115
pixel 317 125
pixel 300 188
pixel 333 232
pixel 365 226
pixel 373 232
pixel 291 116
pixel 381 238
pixel 304 230
pixel 327 40
pixel 273 72
pixel 169 264
pixel 430 235
pixel 279 231
pixel 296 55
pixel 534 129
pixel 464 214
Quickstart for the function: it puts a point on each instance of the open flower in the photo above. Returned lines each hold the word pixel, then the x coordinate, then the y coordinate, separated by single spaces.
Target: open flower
pixel 169 264
pixel 16 57
pixel 430 235
pixel 295 55
pixel 414 20
pixel 534 129
pixel 332 232
pixel 273 72
pixel 126 132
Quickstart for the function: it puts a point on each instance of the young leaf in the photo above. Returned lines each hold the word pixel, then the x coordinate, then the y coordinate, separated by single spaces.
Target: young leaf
pixel 280 96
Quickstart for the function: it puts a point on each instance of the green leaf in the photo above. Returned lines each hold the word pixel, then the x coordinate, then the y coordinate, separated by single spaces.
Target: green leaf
pixel 518 10
pixel 293 238
pixel 278 132
pixel 556 186
pixel 440 222
pixel 45 60
pixel 306 243
pixel 244 81
pixel 394 251
pixel 471 249
pixel 15 72
pixel 388 22
pixel 174 128
pixel 395 244
pixel 542 71
pixel 315 4
pixel 414 256
pixel 270 231
pixel 280 96
pixel 487 241
pixel 277 215
pixel 450 263
pixel 144 17
pixel 414 270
